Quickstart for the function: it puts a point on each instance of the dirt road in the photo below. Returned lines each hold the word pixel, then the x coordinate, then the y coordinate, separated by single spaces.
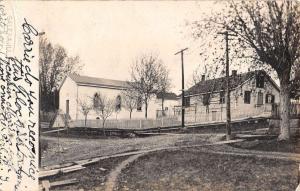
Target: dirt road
pixel 72 149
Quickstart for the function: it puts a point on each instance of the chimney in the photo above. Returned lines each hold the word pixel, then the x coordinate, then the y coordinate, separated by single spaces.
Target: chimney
pixel 203 78
pixel 234 73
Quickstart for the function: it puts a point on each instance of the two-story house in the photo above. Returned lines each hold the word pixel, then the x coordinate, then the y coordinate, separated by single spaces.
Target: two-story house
pixel 252 94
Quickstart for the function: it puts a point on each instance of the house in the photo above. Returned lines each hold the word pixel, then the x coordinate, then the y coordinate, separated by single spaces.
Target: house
pixel 170 100
pixel 76 89
pixel 252 94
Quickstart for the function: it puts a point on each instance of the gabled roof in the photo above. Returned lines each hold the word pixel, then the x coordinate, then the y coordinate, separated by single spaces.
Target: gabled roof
pixel 219 84
pixel 168 96
pixel 92 81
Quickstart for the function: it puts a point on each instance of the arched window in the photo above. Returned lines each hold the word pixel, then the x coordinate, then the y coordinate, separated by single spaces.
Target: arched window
pixel 118 103
pixel 96 100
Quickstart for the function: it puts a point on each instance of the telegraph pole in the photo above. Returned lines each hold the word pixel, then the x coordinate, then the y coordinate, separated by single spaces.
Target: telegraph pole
pixel 182 85
pixel 228 113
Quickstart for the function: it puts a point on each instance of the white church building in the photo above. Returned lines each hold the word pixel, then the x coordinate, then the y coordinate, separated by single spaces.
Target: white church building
pixel 77 88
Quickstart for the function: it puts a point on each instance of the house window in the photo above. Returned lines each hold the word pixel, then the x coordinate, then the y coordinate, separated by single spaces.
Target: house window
pixel 187 102
pixel 273 99
pixel 260 98
pixel 214 116
pixel 139 104
pixel 118 103
pixel 222 97
pixel 260 80
pixel 270 98
pixel 206 99
pixel 247 97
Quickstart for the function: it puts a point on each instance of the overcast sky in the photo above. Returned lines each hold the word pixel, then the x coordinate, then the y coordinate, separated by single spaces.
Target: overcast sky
pixel 108 36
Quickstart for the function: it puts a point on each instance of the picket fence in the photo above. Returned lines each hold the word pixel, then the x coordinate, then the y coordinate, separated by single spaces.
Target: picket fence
pixel 294 111
pixel 127 123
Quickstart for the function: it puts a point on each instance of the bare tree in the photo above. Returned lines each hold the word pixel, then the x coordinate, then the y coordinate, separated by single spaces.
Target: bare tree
pixel 164 85
pixel 103 106
pixel 145 76
pixel 268 35
pixel 55 64
pixel 85 109
pixel 129 101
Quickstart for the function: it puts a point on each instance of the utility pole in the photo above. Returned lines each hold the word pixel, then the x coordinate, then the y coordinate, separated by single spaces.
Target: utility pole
pixel 182 86
pixel 228 113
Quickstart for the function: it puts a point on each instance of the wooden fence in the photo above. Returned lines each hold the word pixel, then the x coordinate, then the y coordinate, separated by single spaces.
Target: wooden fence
pixel 127 124
pixel 201 115
pixel 294 110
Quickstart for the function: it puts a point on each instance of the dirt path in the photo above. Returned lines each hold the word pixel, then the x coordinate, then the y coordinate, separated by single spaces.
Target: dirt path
pixel 229 150
pixel 214 147
pixel 112 178
pixel 192 169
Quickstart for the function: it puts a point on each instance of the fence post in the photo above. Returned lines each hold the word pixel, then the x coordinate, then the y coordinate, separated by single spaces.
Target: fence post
pixel 140 123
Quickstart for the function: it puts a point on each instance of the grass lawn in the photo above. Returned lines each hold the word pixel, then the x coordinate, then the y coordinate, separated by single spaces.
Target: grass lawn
pixel 181 169
pixel 189 169
pixel 292 146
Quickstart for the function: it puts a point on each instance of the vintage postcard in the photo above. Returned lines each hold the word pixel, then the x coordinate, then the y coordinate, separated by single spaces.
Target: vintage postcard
pixel 149 95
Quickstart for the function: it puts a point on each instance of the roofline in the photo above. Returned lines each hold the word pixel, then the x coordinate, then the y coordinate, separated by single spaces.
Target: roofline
pixel 271 80
pixel 91 84
pixel 169 98
pixel 101 86
pixel 220 90
pixel 63 81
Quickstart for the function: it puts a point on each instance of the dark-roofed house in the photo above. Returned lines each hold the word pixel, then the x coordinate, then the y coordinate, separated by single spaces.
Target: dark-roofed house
pixel 77 88
pixel 253 94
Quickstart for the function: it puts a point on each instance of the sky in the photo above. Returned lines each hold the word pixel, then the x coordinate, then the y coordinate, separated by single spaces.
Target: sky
pixel 108 36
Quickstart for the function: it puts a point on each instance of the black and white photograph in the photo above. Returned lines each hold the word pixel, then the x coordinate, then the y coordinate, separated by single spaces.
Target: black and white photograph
pixel 150 95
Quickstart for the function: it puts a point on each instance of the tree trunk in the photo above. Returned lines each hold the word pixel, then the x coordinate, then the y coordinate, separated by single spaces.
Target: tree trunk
pixel 162 106
pixel 85 118
pixel 146 110
pixel 130 112
pixel 103 125
pixel 284 109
